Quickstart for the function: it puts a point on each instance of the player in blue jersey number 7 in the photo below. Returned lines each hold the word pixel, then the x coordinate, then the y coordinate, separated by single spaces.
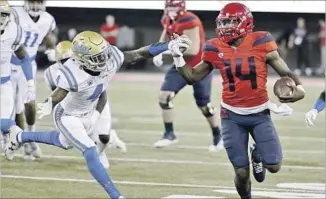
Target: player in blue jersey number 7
pixel 81 97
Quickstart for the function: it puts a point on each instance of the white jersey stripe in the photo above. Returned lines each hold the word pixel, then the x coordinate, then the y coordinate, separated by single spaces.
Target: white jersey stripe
pixel 115 59
pixel 68 78
pixel 15 14
pixel 72 77
pixel 19 36
pixel 57 119
pixel 118 57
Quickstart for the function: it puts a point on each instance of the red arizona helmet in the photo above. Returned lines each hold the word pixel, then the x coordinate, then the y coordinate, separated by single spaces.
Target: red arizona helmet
pixel 173 8
pixel 234 21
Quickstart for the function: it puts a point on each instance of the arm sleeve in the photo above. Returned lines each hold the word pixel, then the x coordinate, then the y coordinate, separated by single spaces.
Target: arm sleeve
pixel 188 22
pixel 117 57
pixel 210 52
pixel 265 42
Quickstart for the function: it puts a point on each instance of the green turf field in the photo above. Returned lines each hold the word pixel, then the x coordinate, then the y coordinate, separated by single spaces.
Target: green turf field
pixel 184 170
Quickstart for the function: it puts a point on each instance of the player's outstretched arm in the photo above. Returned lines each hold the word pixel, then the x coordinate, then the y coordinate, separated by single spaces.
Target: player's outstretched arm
pixel 46 107
pixel 318 107
pixel 192 74
pixel 153 50
pixel 278 64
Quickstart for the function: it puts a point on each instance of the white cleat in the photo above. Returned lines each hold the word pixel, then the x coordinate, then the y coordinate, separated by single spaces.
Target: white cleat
pixel 36 150
pixel 116 142
pixel 216 148
pixel 164 143
pixel 104 160
pixel 28 152
pixel 121 197
pixel 13 145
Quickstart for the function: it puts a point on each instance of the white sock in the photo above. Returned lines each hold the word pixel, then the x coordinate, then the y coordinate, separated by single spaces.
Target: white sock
pixel 101 147
pixel 19 137
pixel 31 128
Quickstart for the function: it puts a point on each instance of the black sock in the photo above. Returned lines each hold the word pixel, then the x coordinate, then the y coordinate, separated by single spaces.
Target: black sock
pixel 168 129
pixel 216 135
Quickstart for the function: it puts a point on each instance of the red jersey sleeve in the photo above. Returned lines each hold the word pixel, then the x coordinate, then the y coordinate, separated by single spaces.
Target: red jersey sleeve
pixel 188 22
pixel 265 42
pixel 210 53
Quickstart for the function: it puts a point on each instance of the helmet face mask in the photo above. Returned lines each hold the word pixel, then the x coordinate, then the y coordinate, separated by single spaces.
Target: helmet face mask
pixel 234 21
pixel 97 62
pixel 34 7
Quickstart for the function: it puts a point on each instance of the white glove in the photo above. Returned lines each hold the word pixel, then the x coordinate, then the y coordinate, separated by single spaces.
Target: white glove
pixel 30 96
pixel 44 108
pixel 51 54
pixel 158 60
pixel 311 116
pixel 178 43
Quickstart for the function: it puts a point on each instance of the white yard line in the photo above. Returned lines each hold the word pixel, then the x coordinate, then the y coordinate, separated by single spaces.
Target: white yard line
pixel 155 161
pixel 203 134
pixel 194 147
pixel 151 184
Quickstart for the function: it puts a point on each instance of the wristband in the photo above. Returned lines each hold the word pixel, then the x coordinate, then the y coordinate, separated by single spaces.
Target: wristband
pixel 179 62
pixel 319 105
pixel 158 48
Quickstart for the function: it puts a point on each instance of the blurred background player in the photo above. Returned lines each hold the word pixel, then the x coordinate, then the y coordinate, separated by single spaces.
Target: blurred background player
pixel 104 139
pixel 12 39
pixel 177 19
pixel 317 108
pixel 299 40
pixel 242 56
pixel 81 97
pixel 38 26
pixel 109 30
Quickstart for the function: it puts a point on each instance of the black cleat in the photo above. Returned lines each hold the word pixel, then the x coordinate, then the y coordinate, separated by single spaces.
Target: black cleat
pixel 258 168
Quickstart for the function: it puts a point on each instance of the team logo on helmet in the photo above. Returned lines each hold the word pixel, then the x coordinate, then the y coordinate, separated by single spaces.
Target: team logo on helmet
pixel 80 47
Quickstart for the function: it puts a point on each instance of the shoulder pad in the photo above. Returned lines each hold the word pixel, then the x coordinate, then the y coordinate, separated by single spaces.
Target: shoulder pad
pixel 66 79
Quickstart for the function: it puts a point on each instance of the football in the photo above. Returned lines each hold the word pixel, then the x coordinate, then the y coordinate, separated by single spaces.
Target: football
pixel 281 87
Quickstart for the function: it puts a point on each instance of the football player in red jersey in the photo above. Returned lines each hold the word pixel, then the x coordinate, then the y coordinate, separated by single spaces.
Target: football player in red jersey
pixel 177 19
pixel 242 56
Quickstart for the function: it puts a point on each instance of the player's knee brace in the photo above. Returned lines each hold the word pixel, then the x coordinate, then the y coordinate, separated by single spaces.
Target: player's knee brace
pixel 104 138
pixel 165 101
pixel 209 110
